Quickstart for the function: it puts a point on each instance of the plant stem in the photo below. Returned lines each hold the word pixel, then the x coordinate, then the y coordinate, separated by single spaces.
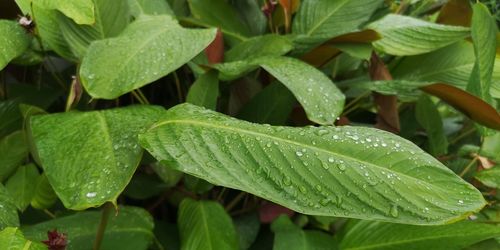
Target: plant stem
pixel 178 86
pixel 108 207
pixel 466 169
pixel 235 201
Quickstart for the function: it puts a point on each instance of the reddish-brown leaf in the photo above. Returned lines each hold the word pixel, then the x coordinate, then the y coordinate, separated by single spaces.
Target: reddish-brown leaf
pixel 387 105
pixel 215 51
pixel 473 107
pixel 270 211
pixel 456 12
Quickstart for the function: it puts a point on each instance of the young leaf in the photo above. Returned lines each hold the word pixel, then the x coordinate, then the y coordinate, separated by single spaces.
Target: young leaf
pixel 81 11
pixel 130 229
pixel 205 225
pixel 13 42
pixel 379 235
pixel 484 30
pixel 205 90
pixel 8 213
pixel 429 118
pixel 80 151
pixel 290 236
pixel 320 20
pixel 13 238
pixel 14 150
pixel 402 35
pixel 148 49
pixel 22 185
pixel 344 171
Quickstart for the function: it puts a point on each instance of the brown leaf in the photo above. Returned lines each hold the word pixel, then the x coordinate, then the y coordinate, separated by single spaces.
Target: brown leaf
pixel 484 162
pixel 387 105
pixel 56 241
pixel 215 51
pixel 270 211
pixel 456 12
pixel 472 106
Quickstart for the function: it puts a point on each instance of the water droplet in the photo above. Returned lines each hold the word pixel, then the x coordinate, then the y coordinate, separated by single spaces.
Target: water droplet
pixel 324 201
pixel 303 189
pixel 460 202
pixel 335 137
pixel 325 166
pixel 268 145
pixel 91 195
pixel 299 153
pixel 287 181
pixel 318 187
pixel 341 166
pixel 322 132
pixel 394 211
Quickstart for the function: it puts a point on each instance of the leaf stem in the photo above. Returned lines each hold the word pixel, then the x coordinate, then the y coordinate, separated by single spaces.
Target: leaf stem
pixel 178 86
pixel 467 168
pixel 235 201
pixel 139 97
pixel 107 208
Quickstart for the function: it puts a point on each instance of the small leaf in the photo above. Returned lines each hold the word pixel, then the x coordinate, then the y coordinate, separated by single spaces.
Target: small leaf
pixel 344 171
pixel 403 35
pixel 13 42
pixel 205 91
pixel 97 145
pixel 489 177
pixel 81 11
pixel 44 196
pixel 429 118
pixel 130 229
pixel 205 225
pixel 379 235
pixel 13 238
pixel 148 49
pixel 22 185
pixel 14 150
pixel 247 226
pixel 290 236
pixel 8 211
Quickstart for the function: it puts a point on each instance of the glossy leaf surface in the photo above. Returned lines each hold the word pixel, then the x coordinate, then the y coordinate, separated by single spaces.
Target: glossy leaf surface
pixel 345 171
pixel 12 238
pixel 13 42
pixel 204 91
pixel 14 150
pixel 81 11
pixel 98 145
pixel 22 185
pixel 8 213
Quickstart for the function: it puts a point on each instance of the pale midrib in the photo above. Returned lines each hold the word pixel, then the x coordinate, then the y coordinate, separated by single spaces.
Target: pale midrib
pixel 323 20
pixel 291 142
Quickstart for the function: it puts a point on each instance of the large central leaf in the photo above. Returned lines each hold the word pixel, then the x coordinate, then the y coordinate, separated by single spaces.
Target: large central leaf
pixel 344 171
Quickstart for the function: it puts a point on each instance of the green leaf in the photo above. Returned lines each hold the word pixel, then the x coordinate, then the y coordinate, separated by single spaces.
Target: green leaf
pixel 247 227
pixel 387 236
pixel 218 13
pixel 268 45
pixel 290 236
pixel 489 177
pixel 345 171
pixel 14 150
pixel 131 229
pixel 169 176
pixel 148 49
pixel 13 42
pixel 81 11
pixel 111 17
pixel 149 7
pixel 484 30
pixel 491 146
pixel 44 196
pixel 205 225
pixel 403 35
pixel 205 90
pixel 429 118
pixel 22 185
pixel 320 20
pixel 12 238
pixel 8 211
pixel 197 185
pixel 79 151
pixel 252 15
pixel 144 186
pixel 272 105
pixel 321 99
pixel 357 50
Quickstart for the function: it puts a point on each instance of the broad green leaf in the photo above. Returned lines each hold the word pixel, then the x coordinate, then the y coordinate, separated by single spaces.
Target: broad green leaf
pixel 320 20
pixel 111 17
pixel 404 89
pixel 148 49
pixel 131 229
pixel 218 13
pixel 272 105
pixel 484 30
pixel 22 185
pixel 491 146
pixel 357 50
pixel 14 151
pixel 149 7
pixel 321 99
pixel 344 171
pixel 205 90
pixel 12 238
pixel 290 236
pixel 81 11
pixel 403 35
pixel 8 211
pixel 169 176
pixel 489 177
pixel 252 15
pixel 267 45
pixel 247 227
pixel 378 235
pixel 79 151
pixel 429 118
pixel 205 225
pixel 13 42
pixel 44 196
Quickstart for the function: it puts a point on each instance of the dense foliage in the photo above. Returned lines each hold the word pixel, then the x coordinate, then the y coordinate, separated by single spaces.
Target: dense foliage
pixel 249 124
